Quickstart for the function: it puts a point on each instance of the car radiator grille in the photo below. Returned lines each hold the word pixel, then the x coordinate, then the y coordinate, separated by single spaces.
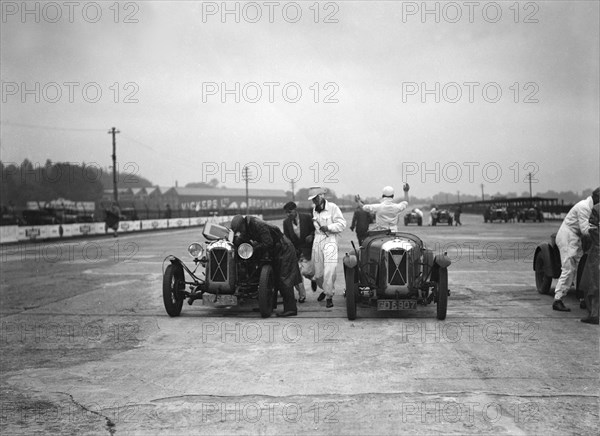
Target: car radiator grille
pixel 397 267
pixel 218 265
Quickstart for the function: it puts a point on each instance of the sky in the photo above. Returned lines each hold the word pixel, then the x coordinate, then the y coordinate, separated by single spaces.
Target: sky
pixel 351 95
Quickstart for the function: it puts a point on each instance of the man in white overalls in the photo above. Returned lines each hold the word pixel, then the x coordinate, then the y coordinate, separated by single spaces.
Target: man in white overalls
pixel 329 223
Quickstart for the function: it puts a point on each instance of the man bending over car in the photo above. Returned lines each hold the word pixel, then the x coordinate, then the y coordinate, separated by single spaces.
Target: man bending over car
pixel 268 239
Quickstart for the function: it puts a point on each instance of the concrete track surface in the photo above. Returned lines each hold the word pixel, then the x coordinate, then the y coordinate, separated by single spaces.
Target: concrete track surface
pixel 87 348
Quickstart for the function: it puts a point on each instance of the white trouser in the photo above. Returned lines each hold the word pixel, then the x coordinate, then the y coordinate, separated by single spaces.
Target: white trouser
pixel 325 257
pixel 569 245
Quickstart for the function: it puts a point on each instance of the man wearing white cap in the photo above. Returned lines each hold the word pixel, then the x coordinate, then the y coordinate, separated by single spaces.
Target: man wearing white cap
pixel 387 212
pixel 329 222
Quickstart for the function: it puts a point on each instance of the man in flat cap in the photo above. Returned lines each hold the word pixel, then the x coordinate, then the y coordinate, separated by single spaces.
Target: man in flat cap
pixel 329 223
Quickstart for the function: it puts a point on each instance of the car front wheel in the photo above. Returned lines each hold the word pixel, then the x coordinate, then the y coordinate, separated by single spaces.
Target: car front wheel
pixel 349 274
pixel 173 282
pixel 266 291
pixel 542 281
pixel 442 294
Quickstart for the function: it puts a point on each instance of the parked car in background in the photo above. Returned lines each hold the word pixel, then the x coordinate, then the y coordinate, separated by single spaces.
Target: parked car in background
pixel 495 213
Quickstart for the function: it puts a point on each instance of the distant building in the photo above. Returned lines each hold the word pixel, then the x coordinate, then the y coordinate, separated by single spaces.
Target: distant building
pixel 224 198
pixel 197 199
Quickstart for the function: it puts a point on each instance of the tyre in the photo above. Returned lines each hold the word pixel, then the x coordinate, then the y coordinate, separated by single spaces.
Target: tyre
pixel 266 287
pixel 580 269
pixel 173 282
pixel 442 293
pixel 542 281
pixel 349 275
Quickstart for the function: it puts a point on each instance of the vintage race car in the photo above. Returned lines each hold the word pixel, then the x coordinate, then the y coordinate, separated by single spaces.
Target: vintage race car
pixel 394 271
pixel 229 275
pixel 530 214
pixel 547 265
pixel 495 214
pixel 442 216
pixel 413 217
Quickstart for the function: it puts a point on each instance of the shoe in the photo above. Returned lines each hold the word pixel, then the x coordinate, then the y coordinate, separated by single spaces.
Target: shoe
pixel 329 303
pixel 582 304
pixel 313 285
pixel 288 313
pixel 590 320
pixel 560 306
pixel 301 300
pixel 321 296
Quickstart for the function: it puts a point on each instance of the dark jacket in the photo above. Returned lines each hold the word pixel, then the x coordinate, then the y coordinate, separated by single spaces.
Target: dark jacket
pixel 307 230
pixel 268 239
pixel 360 221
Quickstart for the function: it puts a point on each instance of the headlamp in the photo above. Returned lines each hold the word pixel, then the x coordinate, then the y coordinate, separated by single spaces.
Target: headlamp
pixel 245 250
pixel 195 249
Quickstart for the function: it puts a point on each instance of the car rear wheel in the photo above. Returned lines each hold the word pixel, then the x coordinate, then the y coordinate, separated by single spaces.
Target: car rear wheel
pixel 442 293
pixel 349 274
pixel 542 281
pixel 173 282
pixel 266 291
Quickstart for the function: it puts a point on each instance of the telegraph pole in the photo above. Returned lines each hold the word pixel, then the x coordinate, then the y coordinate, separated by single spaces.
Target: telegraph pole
pixel 245 175
pixel 458 195
pixel 482 196
pixel 293 193
pixel 530 193
pixel 114 132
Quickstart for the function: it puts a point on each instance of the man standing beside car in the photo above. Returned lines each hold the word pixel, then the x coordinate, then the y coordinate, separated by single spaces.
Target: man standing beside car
pixel 360 221
pixel 568 239
pixel 329 223
pixel 387 212
pixel 299 229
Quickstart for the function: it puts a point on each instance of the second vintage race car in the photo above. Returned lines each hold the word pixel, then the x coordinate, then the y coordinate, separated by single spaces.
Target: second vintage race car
pixel 230 275
pixel 394 271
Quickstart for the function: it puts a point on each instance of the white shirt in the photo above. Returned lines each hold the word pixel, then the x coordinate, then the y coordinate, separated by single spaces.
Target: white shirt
pixel 331 216
pixel 386 212
pixel 578 218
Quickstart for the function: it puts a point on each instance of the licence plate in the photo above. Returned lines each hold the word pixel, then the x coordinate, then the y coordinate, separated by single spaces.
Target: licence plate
pixel 396 304
pixel 219 300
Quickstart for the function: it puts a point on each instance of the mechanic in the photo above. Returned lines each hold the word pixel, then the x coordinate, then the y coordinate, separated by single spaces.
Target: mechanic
pixel 590 278
pixel 267 239
pixel 360 221
pixel 387 212
pixel 329 223
pixel 568 239
pixel 299 229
